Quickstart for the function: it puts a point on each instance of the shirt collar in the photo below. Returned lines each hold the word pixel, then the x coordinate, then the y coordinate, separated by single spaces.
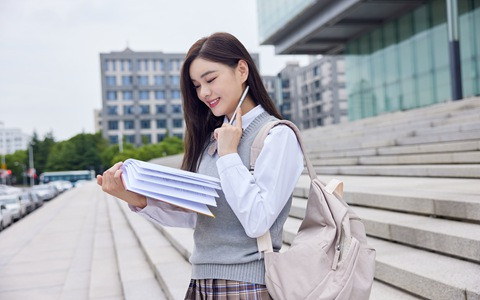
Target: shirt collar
pixel 249 116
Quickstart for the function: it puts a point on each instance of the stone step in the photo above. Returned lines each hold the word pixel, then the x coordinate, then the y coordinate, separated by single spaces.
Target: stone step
pixel 469 157
pixel 457 199
pixel 104 276
pixel 450 128
pixel 460 146
pixel 429 275
pixel 442 147
pixel 423 273
pixel 382 291
pixel 449 171
pixel 439 137
pixel 137 277
pixel 171 269
pixel 444 236
pixel 323 154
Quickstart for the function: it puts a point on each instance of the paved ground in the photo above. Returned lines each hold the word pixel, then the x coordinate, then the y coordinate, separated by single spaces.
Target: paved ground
pixel 63 250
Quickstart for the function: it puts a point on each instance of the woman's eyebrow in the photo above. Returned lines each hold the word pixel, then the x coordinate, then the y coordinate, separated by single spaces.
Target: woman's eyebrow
pixel 206 73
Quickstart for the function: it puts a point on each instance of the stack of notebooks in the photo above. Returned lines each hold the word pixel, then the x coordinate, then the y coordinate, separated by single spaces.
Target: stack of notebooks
pixel 185 189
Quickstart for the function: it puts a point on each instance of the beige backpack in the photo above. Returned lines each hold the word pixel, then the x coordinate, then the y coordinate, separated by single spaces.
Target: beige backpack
pixel 329 257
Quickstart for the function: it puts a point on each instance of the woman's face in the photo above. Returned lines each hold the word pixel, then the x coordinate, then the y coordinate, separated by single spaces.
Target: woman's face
pixel 218 86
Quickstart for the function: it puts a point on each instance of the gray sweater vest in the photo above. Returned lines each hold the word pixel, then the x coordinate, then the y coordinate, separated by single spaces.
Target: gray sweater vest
pixel 222 250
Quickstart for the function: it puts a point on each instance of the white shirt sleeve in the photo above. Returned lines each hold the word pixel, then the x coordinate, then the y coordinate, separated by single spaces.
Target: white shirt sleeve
pixel 166 214
pixel 258 199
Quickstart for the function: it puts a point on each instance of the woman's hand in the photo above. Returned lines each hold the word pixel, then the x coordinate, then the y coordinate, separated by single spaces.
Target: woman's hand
pixel 111 183
pixel 228 136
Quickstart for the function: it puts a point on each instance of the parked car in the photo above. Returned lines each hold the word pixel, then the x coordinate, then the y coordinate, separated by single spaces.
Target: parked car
pixel 5 217
pixel 44 191
pixel 27 199
pixel 17 208
pixel 37 200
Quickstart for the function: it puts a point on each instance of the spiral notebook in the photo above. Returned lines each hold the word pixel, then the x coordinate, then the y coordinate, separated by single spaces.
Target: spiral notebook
pixel 184 189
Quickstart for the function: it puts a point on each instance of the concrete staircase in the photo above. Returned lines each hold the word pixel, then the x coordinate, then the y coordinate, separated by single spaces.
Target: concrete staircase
pixel 414 179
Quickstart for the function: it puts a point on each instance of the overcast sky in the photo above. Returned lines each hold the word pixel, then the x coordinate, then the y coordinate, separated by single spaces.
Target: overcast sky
pixel 49 51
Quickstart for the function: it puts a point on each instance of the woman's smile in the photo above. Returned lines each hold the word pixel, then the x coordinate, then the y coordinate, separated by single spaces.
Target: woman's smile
pixel 212 103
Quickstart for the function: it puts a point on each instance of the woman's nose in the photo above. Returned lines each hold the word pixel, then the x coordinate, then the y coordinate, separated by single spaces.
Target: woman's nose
pixel 204 92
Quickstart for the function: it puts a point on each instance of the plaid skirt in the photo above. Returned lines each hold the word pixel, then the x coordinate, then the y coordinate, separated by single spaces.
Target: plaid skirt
pixel 219 289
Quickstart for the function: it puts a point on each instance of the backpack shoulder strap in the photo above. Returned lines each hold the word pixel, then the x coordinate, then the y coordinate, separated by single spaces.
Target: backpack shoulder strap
pixel 264 242
pixel 260 139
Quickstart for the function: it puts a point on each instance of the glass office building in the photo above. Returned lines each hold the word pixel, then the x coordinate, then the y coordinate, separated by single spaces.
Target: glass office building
pixel 405 63
pixel 396 52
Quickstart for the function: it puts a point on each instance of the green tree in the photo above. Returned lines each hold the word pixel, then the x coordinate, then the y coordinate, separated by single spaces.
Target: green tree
pixel 168 146
pixel 81 152
pixel 18 163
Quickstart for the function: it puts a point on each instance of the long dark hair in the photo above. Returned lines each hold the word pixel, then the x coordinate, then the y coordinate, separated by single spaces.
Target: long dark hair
pixel 221 48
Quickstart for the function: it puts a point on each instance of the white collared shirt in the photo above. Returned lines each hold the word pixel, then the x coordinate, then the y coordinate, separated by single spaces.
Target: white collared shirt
pixel 256 199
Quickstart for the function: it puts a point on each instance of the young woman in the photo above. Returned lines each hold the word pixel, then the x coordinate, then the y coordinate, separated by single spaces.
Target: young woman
pixel 225 260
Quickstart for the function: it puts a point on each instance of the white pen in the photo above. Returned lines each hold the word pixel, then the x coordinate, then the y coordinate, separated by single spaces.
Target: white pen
pixel 244 95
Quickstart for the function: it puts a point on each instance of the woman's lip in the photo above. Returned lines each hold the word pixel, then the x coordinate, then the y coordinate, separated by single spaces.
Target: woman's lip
pixel 214 102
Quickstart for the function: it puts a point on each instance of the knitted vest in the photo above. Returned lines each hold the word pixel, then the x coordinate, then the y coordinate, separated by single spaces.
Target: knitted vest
pixel 222 250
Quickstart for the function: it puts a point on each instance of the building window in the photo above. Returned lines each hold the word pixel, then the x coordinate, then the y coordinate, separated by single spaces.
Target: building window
pixel 174 80
pixel 127 95
pixel 318 96
pixel 127 80
pixel 159 80
pixel 144 95
pixel 315 71
pixel 176 108
pixel 160 137
pixel 111 80
pixel 174 65
pixel 177 123
pixel 142 80
pixel 112 125
pixel 306 124
pixel 130 138
pixel 113 139
pixel 112 110
pixel 144 109
pixel 111 95
pixel 175 94
pixel 160 109
pixel 286 95
pixel 129 124
pixel 145 124
pixel 128 110
pixel 305 100
pixel 285 83
pixel 319 109
pixel 317 83
pixel 161 123
pixel 306 113
pixel 114 63
pixel 145 63
pixel 319 122
pixel 179 135
pixel 105 64
pixel 159 94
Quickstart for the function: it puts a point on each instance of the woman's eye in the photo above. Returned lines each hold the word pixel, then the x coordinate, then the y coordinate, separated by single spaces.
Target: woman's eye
pixel 209 81
pixel 196 86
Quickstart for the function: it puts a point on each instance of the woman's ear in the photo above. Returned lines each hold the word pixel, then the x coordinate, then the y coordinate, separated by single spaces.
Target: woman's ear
pixel 242 70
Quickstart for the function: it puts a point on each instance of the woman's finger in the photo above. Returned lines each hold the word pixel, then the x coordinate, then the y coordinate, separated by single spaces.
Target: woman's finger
pixel 99 180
